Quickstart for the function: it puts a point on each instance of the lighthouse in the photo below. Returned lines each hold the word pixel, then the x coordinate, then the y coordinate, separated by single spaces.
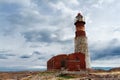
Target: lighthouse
pixel 79 59
pixel 81 44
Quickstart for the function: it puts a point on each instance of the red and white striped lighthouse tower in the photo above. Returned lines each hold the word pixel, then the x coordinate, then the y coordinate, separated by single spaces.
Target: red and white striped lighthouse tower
pixel 81 44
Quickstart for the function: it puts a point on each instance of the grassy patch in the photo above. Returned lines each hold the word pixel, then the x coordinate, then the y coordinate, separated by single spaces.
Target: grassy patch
pixel 65 76
pixel 46 73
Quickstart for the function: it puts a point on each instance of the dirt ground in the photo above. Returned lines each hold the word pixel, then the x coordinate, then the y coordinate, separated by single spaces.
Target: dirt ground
pixel 53 75
pixel 16 75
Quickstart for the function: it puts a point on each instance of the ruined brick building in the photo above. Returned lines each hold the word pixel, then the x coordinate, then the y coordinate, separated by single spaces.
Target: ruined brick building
pixel 79 60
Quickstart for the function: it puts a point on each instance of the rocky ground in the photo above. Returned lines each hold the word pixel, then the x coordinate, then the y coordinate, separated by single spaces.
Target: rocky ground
pixel 16 75
pixel 113 74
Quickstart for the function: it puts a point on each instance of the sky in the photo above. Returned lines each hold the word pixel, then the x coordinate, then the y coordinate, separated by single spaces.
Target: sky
pixel 33 31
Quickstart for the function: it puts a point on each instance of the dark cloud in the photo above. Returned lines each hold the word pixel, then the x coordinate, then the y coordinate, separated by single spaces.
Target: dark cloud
pixel 44 36
pixel 41 58
pixel 25 56
pixel 110 50
pixel 5 56
pixel 36 52
pixel 10 54
pixel 6 53
pixel 38 36
pixel 34 46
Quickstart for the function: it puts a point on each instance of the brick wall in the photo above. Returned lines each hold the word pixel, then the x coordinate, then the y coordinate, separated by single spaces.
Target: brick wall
pixel 71 62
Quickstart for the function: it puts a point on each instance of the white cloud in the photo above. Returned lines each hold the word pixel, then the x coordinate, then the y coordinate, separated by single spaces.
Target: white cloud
pixel 64 9
pixel 74 2
pixel 102 3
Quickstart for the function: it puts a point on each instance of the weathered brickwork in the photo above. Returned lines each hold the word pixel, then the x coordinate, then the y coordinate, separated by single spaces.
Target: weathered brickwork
pixel 76 62
pixel 57 62
pixel 71 62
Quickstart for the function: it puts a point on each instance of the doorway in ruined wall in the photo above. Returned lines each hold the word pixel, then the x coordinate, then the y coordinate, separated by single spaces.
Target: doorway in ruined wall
pixel 63 64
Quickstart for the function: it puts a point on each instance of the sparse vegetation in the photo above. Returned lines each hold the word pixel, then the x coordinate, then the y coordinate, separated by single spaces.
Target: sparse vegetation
pixel 66 76
pixel 47 73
